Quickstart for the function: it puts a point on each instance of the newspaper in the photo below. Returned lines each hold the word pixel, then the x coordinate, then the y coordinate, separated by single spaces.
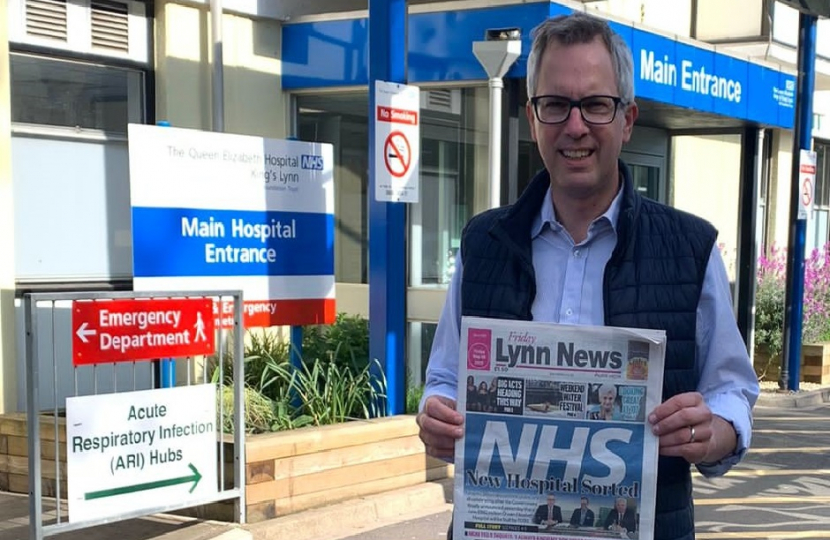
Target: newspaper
pixel 556 443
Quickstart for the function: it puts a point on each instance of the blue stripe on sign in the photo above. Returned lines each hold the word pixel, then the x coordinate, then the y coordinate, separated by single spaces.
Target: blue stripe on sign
pixel 170 242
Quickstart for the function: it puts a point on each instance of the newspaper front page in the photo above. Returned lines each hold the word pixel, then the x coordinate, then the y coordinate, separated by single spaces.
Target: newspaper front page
pixel 556 443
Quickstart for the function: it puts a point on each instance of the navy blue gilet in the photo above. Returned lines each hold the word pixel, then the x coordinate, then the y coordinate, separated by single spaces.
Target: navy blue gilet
pixel 652 280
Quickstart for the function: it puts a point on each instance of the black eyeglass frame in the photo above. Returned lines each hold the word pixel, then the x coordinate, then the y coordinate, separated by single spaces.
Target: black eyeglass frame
pixel 577 103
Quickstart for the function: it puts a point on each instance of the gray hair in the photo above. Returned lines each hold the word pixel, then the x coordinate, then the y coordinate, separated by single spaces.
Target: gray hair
pixel 577 28
pixel 607 389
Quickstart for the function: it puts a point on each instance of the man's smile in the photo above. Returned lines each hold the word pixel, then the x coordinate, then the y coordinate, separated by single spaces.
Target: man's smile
pixel 576 154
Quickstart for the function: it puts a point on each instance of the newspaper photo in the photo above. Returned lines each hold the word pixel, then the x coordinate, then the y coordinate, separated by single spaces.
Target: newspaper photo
pixel 556 443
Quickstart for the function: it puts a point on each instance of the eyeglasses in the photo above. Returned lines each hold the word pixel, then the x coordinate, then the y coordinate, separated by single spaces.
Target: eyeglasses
pixel 595 110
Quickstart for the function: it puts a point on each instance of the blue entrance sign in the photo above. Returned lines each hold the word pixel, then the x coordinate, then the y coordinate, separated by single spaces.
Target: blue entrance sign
pixel 232 243
pixel 699 78
pixel 677 72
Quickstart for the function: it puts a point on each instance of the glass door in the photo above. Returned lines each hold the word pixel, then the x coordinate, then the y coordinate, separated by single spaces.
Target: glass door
pixel 648 174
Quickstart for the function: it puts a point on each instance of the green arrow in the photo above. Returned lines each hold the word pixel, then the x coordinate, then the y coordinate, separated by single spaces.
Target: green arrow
pixel 195 477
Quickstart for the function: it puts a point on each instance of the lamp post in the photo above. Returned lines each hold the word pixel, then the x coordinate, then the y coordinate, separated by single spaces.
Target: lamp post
pixel 502 46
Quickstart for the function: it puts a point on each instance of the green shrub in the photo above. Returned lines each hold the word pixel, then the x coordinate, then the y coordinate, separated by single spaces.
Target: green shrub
pixel 259 346
pixel 770 297
pixel 333 384
pixel 769 323
pixel 345 343
pixel 321 393
pixel 413 398
pixel 259 411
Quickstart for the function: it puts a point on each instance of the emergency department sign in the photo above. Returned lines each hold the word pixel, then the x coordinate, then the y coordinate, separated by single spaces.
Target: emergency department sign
pixel 129 330
pixel 397 142
pixel 221 211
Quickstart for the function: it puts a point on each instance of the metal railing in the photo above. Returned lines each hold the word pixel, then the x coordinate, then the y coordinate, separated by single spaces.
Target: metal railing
pixel 48 338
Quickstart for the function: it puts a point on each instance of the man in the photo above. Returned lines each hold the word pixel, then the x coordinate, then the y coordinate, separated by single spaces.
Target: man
pixel 607 395
pixel 622 518
pixel 582 516
pixel 581 246
pixel 548 515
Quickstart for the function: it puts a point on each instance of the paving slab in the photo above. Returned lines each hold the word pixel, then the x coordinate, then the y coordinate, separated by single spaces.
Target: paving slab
pixel 14 525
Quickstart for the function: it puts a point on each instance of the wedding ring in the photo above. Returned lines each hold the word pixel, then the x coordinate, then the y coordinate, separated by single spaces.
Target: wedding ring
pixel 691 434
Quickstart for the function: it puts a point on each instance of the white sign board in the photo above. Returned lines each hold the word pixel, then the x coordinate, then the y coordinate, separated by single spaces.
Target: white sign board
pixel 140 450
pixel 397 142
pixel 806 183
pixel 222 211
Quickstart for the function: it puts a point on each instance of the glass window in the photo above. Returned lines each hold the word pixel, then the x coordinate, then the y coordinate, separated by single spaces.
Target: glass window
pixel 822 195
pixel 420 338
pixel 341 119
pixel 646 180
pixel 453 149
pixel 63 93
pixel 817 225
pixel 761 217
pixel 530 162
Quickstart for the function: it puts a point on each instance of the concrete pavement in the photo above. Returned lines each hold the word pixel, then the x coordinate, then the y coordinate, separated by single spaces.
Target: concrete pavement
pixel 418 512
pixel 796 400
pixel 14 525
pixel 335 521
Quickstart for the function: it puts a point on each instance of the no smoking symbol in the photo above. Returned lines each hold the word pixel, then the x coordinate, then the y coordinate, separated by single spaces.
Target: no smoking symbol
pixel 397 154
pixel 806 191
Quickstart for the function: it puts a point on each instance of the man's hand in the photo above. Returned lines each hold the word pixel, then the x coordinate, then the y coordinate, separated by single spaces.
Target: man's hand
pixel 688 429
pixel 440 426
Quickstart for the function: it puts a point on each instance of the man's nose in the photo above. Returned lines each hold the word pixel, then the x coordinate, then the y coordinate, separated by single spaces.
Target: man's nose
pixel 574 123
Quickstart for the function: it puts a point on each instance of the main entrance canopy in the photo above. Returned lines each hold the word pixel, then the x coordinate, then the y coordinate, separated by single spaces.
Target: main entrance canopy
pixel 675 75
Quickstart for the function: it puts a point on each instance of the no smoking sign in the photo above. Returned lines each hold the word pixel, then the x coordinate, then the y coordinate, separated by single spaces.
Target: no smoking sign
pixel 397 154
pixel 397 142
pixel 807 183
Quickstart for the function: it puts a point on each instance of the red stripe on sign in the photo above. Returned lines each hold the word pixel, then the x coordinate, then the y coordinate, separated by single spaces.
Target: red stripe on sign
pixel 265 313
pixel 289 312
pixel 397 116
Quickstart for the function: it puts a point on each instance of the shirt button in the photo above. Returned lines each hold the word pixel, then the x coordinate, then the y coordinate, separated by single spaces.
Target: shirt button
pixel 577 253
pixel 569 312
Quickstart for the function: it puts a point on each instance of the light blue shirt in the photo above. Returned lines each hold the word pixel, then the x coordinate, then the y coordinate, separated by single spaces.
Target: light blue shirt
pixel 569 290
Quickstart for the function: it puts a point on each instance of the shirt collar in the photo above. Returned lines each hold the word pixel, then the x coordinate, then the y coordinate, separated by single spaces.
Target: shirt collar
pixel 547 216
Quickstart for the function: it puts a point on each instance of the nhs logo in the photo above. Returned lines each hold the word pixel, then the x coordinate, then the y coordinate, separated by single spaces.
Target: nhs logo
pixel 312 162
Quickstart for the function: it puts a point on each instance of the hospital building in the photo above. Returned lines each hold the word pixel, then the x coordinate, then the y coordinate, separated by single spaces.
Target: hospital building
pixel 715 82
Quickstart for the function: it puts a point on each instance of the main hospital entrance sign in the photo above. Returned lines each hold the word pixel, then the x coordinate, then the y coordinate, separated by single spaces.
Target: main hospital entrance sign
pixel 222 211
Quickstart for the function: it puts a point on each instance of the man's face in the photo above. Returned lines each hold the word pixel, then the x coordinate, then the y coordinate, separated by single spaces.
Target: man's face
pixel 580 157
pixel 551 500
pixel 583 503
pixel 608 401
pixel 620 506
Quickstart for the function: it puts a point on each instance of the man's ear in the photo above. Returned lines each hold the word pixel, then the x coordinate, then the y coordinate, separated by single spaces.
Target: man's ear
pixel 631 113
pixel 531 119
